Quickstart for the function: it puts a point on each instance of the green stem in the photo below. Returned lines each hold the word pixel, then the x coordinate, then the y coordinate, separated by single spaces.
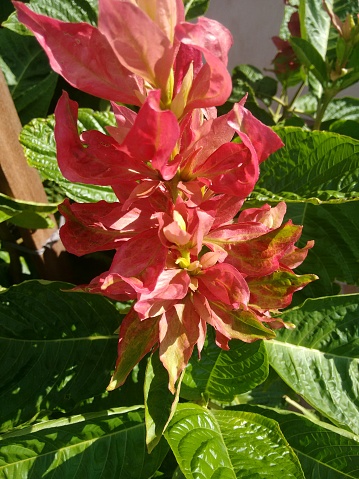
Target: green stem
pixel 327 96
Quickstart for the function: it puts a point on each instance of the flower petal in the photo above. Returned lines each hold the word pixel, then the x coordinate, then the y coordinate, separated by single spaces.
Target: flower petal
pixel 82 55
pixel 136 339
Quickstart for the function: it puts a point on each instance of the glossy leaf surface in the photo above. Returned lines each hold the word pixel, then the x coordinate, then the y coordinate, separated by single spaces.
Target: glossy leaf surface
pixel 319 359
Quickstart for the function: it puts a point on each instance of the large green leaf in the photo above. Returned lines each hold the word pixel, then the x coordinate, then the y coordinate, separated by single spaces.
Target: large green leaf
pixel 26 214
pixel 319 359
pixel 27 73
pixel 335 255
pixel 109 444
pixel 57 349
pixel 324 451
pixel 315 24
pixel 221 375
pixel 65 10
pixel 40 149
pixel 229 444
pixel 313 166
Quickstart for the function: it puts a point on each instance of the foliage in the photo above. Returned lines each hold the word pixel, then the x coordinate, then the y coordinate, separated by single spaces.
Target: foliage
pixel 282 407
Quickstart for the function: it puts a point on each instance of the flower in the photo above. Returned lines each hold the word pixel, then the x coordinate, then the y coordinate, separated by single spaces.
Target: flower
pixel 136 48
pixel 181 175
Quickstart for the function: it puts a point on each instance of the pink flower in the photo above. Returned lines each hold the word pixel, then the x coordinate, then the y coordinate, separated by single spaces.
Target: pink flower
pixel 139 47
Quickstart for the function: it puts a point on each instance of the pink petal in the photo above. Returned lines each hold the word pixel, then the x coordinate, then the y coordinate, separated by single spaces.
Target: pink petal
pixel 275 291
pixel 110 286
pixel 171 286
pixel 140 45
pixel 270 217
pixel 295 257
pixel 91 227
pixel 140 260
pixel 153 136
pixel 136 339
pixel 101 163
pixel 82 55
pixel 261 256
pixel 264 140
pixel 165 13
pixel 222 282
pixel 212 85
pixel 125 119
pixel 179 331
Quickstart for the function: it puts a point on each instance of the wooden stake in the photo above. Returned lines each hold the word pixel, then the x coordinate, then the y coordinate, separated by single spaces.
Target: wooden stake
pixel 20 181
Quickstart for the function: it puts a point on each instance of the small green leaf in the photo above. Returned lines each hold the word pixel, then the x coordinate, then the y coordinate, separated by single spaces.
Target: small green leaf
pixel 222 375
pixel 310 58
pixel 160 403
pixel 40 149
pixel 324 347
pixel 26 214
pixel 229 444
pixel 195 8
pixel 62 342
pixel 108 444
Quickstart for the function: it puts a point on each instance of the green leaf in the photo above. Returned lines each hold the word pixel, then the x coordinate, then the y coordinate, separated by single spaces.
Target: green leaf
pixel 324 451
pixel 229 444
pixel 65 10
pixel 313 166
pixel 160 404
pixel 40 149
pixel 345 127
pixel 222 375
pixel 315 24
pixel 264 87
pixel 26 214
pixel 335 255
pixel 319 359
pixel 28 75
pixel 345 108
pixel 108 444
pixel 195 8
pixel 56 348
pixel 310 58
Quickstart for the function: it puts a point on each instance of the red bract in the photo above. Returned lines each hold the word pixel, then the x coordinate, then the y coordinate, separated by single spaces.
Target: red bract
pixel 181 255
pixel 139 47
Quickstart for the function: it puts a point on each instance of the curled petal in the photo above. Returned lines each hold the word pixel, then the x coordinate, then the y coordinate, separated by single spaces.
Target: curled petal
pixel 91 227
pixel 212 85
pixel 136 339
pixel 82 55
pixel 222 282
pixel 102 162
pixel 275 291
pixel 254 132
pixel 295 256
pixel 179 330
pixel 171 286
pixel 261 256
pixel 140 260
pixel 270 217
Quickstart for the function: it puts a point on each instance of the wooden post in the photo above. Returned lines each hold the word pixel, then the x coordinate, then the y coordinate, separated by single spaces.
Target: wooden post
pixel 20 181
